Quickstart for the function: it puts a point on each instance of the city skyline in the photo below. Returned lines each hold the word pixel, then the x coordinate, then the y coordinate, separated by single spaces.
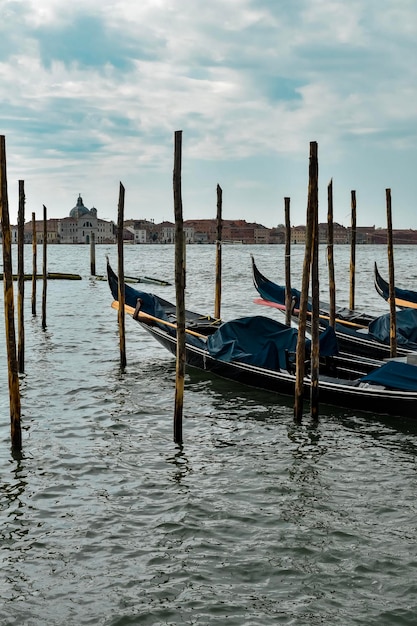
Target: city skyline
pixel 82 223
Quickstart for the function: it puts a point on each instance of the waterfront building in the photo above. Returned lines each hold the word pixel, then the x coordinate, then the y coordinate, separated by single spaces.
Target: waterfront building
pixel 364 234
pixel 298 234
pixel 236 231
pixel 51 231
pixel 145 231
pixel 261 234
pixel 139 235
pixel 82 224
pixel 79 227
pixel 203 231
pixel 277 235
pixel 399 236
pixel 340 233
pixel 167 232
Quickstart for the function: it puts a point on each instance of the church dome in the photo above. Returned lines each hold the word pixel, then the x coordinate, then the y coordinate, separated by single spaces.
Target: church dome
pixel 79 210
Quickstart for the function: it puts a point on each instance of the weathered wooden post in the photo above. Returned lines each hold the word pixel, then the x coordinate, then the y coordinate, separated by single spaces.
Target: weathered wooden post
pixel 34 264
pixel 393 314
pixel 179 289
pixel 218 294
pixel 44 268
pixel 21 278
pixel 330 255
pixel 352 252
pixel 300 354
pixel 288 299
pixel 121 274
pixel 93 254
pixel 315 295
pixel 13 377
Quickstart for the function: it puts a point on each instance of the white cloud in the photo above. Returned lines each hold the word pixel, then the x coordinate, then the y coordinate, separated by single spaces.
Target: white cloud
pixel 93 92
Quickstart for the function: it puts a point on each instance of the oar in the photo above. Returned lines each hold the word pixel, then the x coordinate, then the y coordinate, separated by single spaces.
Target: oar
pixel 151 318
pixel 405 303
pixel 323 317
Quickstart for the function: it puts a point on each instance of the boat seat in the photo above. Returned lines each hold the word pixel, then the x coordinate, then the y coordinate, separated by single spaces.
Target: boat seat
pixel 326 364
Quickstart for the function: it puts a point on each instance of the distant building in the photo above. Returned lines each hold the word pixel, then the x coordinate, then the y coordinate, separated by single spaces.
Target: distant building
pixel 277 235
pixel 139 235
pixel 364 234
pixel 79 227
pixel 82 224
pixel 189 233
pixel 167 232
pixel 204 231
pixel 298 234
pixel 399 237
pixel 261 234
pixel 340 233
pixel 51 231
pixel 237 231
pixel 146 231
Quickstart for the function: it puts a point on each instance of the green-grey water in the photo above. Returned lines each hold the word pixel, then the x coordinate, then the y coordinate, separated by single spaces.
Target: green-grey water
pixel 255 521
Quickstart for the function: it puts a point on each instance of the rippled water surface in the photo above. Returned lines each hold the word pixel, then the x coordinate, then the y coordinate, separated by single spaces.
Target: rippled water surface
pixel 255 520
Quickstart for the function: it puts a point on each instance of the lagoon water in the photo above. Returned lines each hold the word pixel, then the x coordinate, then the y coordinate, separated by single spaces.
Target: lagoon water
pixel 254 521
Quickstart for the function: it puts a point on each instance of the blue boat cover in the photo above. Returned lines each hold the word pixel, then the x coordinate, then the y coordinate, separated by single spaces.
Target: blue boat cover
pixel 379 328
pixel 395 375
pixel 262 341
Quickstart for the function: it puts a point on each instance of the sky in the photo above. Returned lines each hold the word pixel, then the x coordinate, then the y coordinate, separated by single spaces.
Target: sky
pixel 93 91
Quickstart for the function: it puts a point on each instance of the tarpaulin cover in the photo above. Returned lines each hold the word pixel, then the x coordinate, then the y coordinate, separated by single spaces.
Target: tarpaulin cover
pixel 261 341
pixel 406 321
pixel 395 375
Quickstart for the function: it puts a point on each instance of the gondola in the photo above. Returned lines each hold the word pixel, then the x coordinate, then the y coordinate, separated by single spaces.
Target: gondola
pixel 404 298
pixel 273 292
pixel 357 333
pixel 258 351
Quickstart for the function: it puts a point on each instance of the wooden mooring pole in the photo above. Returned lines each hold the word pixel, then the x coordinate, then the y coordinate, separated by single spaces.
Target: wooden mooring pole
pixel 352 252
pixel 44 268
pixel 179 289
pixel 93 254
pixel 393 313
pixel 302 318
pixel 121 274
pixel 21 278
pixel 218 287
pixel 34 263
pixel 13 377
pixel 313 202
pixel 288 299
pixel 330 255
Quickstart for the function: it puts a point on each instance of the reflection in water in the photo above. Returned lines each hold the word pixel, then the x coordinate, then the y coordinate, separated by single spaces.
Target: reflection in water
pixel 307 451
pixel 14 530
pixel 13 490
pixel 182 466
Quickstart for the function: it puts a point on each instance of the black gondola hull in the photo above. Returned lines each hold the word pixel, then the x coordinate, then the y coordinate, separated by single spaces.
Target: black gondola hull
pixel 334 392
pixel 342 388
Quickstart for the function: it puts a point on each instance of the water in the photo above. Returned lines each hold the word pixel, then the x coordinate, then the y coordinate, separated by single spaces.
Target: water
pixel 256 520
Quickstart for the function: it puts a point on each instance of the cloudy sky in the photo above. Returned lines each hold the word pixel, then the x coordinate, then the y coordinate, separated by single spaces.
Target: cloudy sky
pixel 92 92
